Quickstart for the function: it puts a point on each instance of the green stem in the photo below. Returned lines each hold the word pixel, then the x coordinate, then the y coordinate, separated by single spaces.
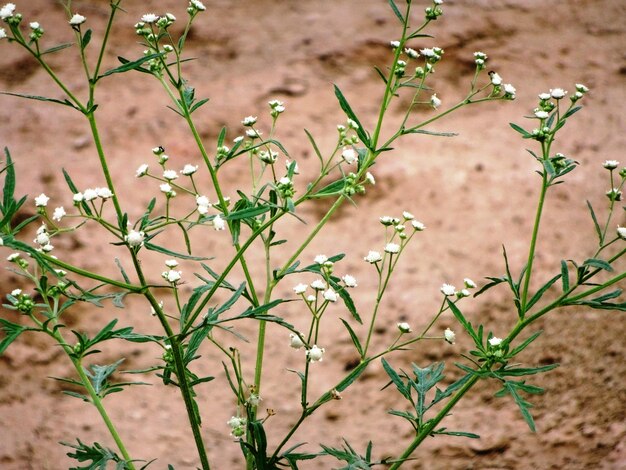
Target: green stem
pixel 97 402
pixel 533 242
pixel 431 424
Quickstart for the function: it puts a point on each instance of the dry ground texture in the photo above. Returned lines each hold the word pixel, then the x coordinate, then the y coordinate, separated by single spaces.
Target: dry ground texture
pixel 475 192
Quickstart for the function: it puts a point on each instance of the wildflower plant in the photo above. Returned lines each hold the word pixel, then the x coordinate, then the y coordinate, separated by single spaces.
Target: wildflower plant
pixel 250 221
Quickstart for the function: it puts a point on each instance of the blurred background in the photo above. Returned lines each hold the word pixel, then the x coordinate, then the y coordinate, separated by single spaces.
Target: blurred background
pixel 474 192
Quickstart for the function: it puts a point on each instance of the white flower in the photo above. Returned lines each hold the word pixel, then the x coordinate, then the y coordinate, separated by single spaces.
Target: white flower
pixel 493 341
pixel 352 124
pixel 469 283
pixel 447 290
pixel 58 214
pixel 449 335
pixel 370 178
pixel 167 189
pixel 394 44
pixel 621 232
pixel 296 169
pixel 3 33
pixel 386 220
pixel 407 215
pixel 581 88
pixel 197 4
pixel 610 164
pixel 90 194
pixel 428 52
pixel 318 284
pixel 16 292
pixel 417 225
pixel 7 11
pixel 236 422
pixel 189 170
pixel 42 238
pixel 13 257
pixel 509 90
pixel 149 18
pixel 77 19
pixel 78 197
pixel 41 200
pixel 349 155
pixel 170 175
pixel 142 170
pixel 331 295
pixel 295 342
pixel 135 238
pixel 438 2
pixel 34 25
pixel 300 288
pixel 373 257
pixel 284 181
pixel 392 248
pixel 238 139
pixel 541 114
pixel 434 101
pixel 557 93
pixel 104 193
pixel 218 223
pixel 412 53
pixel 171 263
pixel 310 298
pixel 249 121
pixel 463 293
pixel 320 259
pixel 203 201
pixel 171 276
pixel 315 354
pixel 404 327
pixel 47 248
pixel 349 281
pixel 544 96
pixel 495 79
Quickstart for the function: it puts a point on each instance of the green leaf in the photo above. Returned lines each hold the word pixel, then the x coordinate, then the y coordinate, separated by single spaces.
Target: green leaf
pixel 39 98
pixel 523 371
pixel 97 456
pixel 128 65
pixel 165 251
pixel 348 110
pixel 524 133
pixel 9 183
pixel 198 104
pixel 423 131
pixel 511 388
pixel 249 212
pixel 443 431
pixel 395 378
pixel 564 276
pixel 75 190
pixel 571 112
pixel 494 282
pixel 467 326
pixel 353 336
pixel 524 344
pixel 334 188
pixel 315 147
pixel 11 332
pixel 347 299
pixel 535 298
pixel 86 39
pixel 396 11
pixel 57 48
pixel 598 263
pixel 352 376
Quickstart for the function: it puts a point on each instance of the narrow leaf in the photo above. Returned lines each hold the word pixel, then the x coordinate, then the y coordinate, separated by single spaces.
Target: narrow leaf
pixel 396 11
pixel 165 251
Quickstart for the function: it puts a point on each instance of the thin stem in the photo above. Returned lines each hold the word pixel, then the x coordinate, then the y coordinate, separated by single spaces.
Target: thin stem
pixel 431 424
pixel 533 241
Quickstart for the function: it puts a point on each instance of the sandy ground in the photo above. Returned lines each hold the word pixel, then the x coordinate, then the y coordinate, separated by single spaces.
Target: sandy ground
pixel 475 192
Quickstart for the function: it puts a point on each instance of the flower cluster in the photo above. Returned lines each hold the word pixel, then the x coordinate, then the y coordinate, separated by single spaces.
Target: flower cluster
pixel 449 290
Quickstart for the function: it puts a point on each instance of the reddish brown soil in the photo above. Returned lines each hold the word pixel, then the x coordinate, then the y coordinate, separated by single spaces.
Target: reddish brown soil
pixel 475 192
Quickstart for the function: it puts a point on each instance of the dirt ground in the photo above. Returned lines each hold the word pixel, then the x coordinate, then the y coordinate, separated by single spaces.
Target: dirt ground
pixel 475 192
